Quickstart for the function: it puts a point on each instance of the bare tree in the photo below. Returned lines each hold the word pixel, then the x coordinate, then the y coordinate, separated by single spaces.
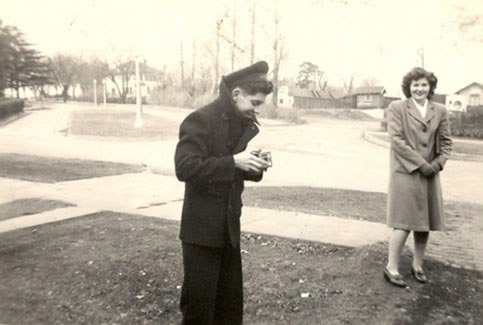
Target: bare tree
pixel 65 68
pixel 469 22
pixel 233 36
pixel 182 63
pixel 219 24
pixel 253 10
pixel 192 87
pixel 120 76
pixel 349 86
pixel 193 65
pixel 370 82
pixel 278 56
pixel 91 69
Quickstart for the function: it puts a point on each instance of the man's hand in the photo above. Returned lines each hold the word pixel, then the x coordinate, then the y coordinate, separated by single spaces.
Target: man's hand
pixel 249 163
pixel 427 170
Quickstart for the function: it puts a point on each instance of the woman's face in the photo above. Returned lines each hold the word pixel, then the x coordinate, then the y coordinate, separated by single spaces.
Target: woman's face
pixel 419 89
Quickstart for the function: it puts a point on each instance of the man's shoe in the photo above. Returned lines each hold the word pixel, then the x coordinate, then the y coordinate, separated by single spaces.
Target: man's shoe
pixel 396 280
pixel 419 275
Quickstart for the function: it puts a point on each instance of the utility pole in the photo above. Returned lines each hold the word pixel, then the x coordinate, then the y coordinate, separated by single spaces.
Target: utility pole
pixel 139 121
pixel 95 92
pixel 104 91
pixel 421 56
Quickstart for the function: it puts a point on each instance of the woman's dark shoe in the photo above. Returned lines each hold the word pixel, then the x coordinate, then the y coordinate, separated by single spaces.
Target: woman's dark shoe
pixel 419 275
pixel 396 280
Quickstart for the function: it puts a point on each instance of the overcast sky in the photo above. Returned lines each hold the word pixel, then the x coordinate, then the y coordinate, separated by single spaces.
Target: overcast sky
pixel 366 38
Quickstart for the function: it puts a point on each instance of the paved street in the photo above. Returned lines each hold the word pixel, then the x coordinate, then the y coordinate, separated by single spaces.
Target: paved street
pixel 322 153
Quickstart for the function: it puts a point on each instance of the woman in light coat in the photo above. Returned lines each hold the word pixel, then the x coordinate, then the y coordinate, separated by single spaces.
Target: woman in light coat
pixel 420 145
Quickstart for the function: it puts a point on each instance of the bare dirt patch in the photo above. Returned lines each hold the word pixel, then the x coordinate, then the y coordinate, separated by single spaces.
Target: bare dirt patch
pixel 125 269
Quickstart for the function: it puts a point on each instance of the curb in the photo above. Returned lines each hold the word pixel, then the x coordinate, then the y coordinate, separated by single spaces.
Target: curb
pixel 369 137
pixel 13 118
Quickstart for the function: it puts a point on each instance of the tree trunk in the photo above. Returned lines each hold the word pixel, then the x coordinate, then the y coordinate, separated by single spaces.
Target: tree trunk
pixel 65 94
pixel 182 63
pixel 233 44
pixel 252 42
pixel 217 57
pixel 276 64
pixel 17 87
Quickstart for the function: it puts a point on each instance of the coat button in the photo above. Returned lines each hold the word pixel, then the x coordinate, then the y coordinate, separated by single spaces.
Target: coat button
pixel 425 128
pixel 424 145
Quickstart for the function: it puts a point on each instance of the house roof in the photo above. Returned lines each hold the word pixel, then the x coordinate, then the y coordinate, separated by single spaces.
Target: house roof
pixel 471 84
pixel 369 90
pixel 143 68
pixel 307 93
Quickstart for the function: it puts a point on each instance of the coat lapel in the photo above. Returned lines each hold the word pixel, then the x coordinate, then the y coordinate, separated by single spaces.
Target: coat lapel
pixel 430 113
pixel 414 112
pixel 249 133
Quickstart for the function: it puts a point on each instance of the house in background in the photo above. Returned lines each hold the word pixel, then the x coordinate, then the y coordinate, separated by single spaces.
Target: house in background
pixel 295 97
pixel 369 97
pixel 125 79
pixel 473 94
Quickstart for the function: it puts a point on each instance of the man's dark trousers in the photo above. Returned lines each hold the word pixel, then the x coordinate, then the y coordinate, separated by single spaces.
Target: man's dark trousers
pixel 213 287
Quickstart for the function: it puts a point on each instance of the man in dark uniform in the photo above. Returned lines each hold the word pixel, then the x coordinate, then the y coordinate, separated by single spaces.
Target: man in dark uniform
pixel 211 158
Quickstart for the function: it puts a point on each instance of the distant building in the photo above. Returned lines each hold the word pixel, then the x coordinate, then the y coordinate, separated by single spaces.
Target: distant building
pixel 295 97
pixel 369 97
pixel 126 80
pixel 473 94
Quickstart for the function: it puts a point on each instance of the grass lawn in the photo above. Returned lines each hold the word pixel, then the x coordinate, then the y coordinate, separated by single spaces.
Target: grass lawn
pixel 125 269
pixel 469 148
pixel 24 207
pixel 52 170
pixel 360 205
pixel 119 124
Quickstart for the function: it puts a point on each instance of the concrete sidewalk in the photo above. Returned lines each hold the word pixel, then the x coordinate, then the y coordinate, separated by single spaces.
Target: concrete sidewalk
pixel 145 194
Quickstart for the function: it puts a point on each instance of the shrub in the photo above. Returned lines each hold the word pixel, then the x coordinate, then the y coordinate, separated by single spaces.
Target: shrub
pixel 468 124
pixel 287 114
pixel 170 97
pixel 10 107
pixel 203 99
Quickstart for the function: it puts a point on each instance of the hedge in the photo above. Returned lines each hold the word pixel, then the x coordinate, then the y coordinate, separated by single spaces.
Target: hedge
pixel 10 107
pixel 468 124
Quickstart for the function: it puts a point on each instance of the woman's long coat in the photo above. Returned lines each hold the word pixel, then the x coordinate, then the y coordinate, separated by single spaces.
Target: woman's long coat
pixel 415 202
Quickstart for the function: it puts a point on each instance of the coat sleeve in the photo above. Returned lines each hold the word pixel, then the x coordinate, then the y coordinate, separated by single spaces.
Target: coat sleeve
pixel 193 162
pixel 253 177
pixel 444 140
pixel 409 158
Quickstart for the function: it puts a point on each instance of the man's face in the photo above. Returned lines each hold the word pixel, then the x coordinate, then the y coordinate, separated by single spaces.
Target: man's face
pixel 246 103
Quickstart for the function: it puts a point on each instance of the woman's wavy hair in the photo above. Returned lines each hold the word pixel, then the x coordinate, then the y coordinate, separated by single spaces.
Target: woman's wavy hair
pixel 416 74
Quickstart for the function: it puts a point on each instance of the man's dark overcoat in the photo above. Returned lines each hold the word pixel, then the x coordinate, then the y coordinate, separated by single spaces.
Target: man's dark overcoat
pixel 213 186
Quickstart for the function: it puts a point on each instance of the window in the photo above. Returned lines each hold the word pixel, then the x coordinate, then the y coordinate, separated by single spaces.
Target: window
pixel 368 98
pixel 474 100
pixel 113 92
pixel 281 101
